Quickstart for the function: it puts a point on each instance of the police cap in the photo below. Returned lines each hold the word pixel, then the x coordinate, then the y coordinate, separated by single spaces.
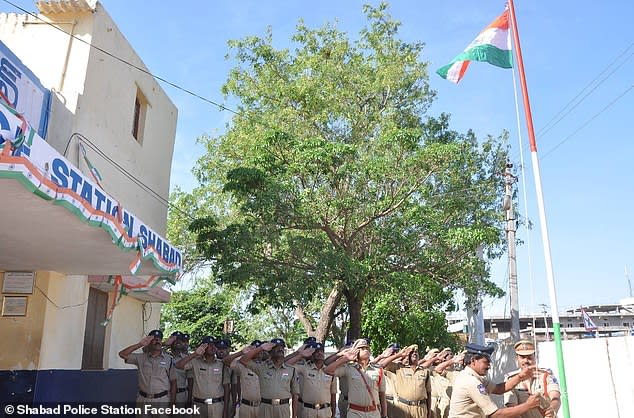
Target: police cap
pixel 156 333
pixel 481 350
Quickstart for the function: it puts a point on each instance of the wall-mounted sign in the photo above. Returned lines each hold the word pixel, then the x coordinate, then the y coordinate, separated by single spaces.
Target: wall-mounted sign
pixel 18 282
pixel 24 90
pixel 14 305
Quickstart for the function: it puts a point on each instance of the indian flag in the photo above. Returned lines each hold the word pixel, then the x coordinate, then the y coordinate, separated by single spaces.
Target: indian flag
pixel 493 45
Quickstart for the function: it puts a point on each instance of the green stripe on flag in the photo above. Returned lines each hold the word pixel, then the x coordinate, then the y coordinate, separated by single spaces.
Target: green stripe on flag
pixel 482 53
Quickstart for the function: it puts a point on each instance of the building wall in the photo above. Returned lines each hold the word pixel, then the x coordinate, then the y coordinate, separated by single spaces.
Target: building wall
pixel 94 96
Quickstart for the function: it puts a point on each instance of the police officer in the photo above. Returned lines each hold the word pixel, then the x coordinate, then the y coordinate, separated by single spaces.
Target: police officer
pixel 317 390
pixel 278 382
pixel 177 348
pixel 342 400
pixel 390 390
pixel 543 383
pixel 411 382
pixel 443 377
pixel 248 382
pixel 211 379
pixel 366 383
pixel 156 377
pixel 470 396
pixel 223 346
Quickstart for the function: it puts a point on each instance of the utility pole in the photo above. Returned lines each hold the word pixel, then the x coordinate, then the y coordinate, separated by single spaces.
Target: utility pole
pixel 511 227
pixel 475 316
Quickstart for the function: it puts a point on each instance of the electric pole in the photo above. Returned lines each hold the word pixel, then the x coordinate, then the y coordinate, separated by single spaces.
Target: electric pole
pixel 629 283
pixel 511 227
pixel 475 316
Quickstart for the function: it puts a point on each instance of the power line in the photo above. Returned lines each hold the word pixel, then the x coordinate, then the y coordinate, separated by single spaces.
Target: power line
pixel 143 70
pixel 586 123
pixel 552 124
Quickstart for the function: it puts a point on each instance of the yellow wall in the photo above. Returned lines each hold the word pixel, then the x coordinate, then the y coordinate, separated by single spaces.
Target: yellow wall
pixel 22 335
pixel 64 323
pixel 130 323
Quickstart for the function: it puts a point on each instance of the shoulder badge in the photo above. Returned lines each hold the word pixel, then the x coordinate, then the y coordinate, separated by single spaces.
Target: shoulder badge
pixel 482 389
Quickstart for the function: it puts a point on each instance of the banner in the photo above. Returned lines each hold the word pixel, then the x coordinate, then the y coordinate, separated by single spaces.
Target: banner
pixel 23 90
pixel 45 172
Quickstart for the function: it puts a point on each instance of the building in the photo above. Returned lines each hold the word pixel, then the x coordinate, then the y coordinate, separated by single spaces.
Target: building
pixel 612 320
pixel 84 203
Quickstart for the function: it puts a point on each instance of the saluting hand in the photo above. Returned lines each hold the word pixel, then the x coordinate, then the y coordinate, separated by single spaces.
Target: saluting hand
pixel 307 352
pixel 267 346
pixel 146 341
pixel 200 351
pixel 350 354
pixel 170 340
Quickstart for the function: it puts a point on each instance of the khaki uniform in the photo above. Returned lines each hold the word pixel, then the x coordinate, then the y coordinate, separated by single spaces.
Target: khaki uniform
pixel 155 374
pixel 249 391
pixel 470 396
pixel 358 395
pixel 181 382
pixel 315 391
pixel 390 393
pixel 441 388
pixel 543 383
pixel 210 379
pixel 277 387
pixel 413 389
pixel 342 402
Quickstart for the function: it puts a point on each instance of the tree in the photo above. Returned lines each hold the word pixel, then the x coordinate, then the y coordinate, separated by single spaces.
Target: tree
pixel 341 181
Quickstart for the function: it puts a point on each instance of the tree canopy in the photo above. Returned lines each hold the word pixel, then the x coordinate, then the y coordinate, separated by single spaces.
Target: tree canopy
pixel 342 187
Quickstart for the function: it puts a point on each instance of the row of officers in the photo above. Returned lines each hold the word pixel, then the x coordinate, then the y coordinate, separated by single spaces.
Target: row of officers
pixel 260 381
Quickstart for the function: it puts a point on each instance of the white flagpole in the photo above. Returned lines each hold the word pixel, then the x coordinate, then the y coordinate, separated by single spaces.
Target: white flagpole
pixel 542 217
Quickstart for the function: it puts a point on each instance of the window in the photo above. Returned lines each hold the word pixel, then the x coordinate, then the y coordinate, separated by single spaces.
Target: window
pixel 95 333
pixel 606 324
pixel 140 110
pixel 626 324
pixel 570 325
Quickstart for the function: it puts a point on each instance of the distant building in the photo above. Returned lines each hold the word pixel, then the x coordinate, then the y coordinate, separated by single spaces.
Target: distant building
pixel 83 204
pixel 612 320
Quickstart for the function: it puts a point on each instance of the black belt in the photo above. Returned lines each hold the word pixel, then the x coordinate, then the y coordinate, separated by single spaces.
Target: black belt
pixel 314 405
pixel 412 403
pixel 152 396
pixel 389 397
pixel 181 390
pixel 209 400
pixel 275 401
pixel 250 403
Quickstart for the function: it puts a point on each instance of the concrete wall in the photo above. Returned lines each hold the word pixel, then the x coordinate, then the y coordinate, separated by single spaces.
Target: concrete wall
pixel 94 95
pixel 599 374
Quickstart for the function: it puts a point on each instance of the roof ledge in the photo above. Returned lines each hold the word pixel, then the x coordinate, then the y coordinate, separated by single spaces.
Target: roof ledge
pixel 66 6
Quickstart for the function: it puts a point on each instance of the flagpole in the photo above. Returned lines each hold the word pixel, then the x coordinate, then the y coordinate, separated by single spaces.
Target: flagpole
pixel 542 217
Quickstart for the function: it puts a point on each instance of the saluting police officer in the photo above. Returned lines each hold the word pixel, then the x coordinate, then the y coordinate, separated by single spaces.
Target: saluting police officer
pixel 278 382
pixel 248 382
pixel 470 396
pixel 177 345
pixel 211 379
pixel 366 383
pixel 543 383
pixel 317 390
pixel 156 376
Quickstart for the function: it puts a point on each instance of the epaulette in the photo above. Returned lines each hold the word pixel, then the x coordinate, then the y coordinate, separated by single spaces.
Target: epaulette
pixel 511 374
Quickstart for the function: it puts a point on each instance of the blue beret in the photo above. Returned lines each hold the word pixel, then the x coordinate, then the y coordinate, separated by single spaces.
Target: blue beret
pixel 184 337
pixel 176 334
pixel 395 346
pixel 256 343
pixel 156 333
pixel 224 343
pixel 310 340
pixel 317 346
pixel 481 350
pixel 278 341
pixel 208 340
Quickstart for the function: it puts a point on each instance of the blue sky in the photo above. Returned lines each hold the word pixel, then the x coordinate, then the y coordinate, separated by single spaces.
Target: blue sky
pixel 566 44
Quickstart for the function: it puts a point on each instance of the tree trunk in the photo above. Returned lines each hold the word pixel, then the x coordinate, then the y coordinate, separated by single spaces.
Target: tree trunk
pixel 327 314
pixel 355 301
pixel 308 326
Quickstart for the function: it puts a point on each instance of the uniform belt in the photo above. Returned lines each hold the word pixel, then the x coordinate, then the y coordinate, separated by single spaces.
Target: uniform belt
pixel 152 396
pixel 250 403
pixel 389 397
pixel 181 390
pixel 275 401
pixel 314 405
pixel 209 400
pixel 412 403
pixel 368 408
